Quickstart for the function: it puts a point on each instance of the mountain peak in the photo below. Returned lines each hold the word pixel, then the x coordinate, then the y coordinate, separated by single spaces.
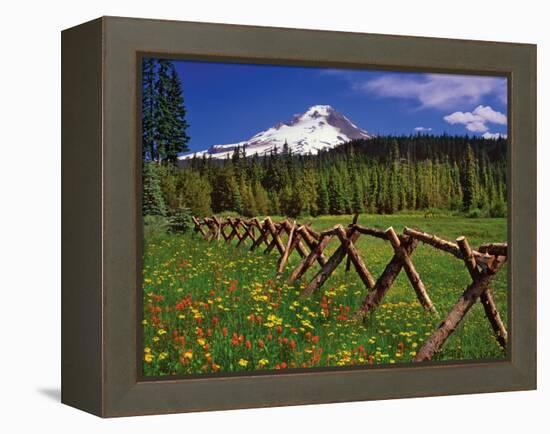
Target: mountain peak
pixel 319 110
pixel 320 127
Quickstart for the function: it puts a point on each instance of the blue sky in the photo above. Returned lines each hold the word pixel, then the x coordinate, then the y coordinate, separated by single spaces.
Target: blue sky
pixel 230 102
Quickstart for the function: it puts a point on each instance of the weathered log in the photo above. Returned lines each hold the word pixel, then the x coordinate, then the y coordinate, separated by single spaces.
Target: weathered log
pixel 410 269
pixel 313 232
pixel 496 249
pixel 247 232
pixel 434 241
pixel 325 272
pixel 311 243
pixel 486 298
pixel 218 224
pixel 234 232
pixel 493 315
pixel 377 233
pixel 275 235
pixel 222 231
pixel 439 243
pixel 260 226
pixel 299 246
pixel 315 254
pixel 211 234
pixel 386 279
pixel 198 227
pixel 353 256
pixel 293 241
pixel 264 231
pixel 434 343
pixel 348 260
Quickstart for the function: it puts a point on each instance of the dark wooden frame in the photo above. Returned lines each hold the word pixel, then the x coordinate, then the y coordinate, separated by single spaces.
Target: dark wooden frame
pixel 101 224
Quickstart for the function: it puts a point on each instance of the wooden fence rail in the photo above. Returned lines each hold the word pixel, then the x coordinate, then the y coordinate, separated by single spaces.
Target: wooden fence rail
pixel 289 237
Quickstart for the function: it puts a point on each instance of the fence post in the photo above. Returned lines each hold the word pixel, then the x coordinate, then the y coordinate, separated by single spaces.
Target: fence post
pixel 412 274
pixel 325 272
pixel 434 343
pixel 348 260
pixel 386 280
pixel 353 256
pixel 486 298
pixel 276 239
pixel 290 243
pixel 315 254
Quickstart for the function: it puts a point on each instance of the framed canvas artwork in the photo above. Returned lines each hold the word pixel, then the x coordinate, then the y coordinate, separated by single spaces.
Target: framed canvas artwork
pixel 260 216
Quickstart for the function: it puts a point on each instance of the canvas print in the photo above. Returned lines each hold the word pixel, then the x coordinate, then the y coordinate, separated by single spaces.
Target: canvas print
pixel 299 218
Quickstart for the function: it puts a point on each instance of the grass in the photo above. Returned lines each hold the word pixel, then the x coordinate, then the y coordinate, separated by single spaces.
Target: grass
pixel 213 307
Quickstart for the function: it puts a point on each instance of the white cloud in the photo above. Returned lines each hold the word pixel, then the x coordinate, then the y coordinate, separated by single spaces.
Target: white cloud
pixel 490 115
pixel 477 127
pixel 436 90
pixel 477 120
pixel 422 129
pixel 494 136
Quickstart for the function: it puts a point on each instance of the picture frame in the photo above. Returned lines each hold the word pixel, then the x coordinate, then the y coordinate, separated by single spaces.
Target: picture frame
pixel 101 226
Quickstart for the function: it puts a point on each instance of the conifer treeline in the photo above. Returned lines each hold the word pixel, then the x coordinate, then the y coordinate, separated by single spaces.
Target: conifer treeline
pixel 384 174
pixel 164 128
pixel 379 175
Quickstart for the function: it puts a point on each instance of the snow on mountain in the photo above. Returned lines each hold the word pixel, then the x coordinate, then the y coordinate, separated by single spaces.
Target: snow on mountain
pixel 319 128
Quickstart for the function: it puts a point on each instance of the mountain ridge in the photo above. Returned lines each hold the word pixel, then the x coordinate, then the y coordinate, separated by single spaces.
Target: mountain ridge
pixel 320 127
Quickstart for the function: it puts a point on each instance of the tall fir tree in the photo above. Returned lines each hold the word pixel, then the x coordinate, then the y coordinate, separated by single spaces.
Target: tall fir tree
pixel 177 140
pixel 162 112
pixel 152 198
pixel 469 180
pixel 148 109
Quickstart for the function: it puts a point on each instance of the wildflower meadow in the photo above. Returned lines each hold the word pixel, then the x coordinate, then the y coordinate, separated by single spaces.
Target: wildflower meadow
pixel 213 307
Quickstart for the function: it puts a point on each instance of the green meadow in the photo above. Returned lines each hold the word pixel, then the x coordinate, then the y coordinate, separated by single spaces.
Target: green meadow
pixel 215 307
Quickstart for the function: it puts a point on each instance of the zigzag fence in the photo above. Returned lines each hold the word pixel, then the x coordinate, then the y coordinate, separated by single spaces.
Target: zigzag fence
pixel 288 237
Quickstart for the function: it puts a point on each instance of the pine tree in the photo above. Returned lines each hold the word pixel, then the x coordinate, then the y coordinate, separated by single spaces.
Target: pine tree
pixel 147 109
pixel 322 197
pixel 153 200
pixel 357 205
pixel 336 197
pixel 177 139
pixel 469 180
pixel 247 199
pixel 162 111
pixel 194 192
pixel 224 190
pixel 261 198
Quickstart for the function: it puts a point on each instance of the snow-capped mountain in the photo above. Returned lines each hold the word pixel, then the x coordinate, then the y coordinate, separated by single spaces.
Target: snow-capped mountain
pixel 319 127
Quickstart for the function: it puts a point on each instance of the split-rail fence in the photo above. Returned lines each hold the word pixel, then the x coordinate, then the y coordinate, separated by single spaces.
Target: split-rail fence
pixel 287 237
